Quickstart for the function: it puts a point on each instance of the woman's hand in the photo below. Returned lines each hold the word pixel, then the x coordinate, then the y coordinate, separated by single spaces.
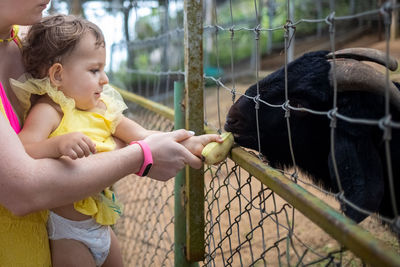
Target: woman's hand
pixel 169 156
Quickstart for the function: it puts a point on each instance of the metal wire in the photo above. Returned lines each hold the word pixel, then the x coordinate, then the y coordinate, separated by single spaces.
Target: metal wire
pixel 247 224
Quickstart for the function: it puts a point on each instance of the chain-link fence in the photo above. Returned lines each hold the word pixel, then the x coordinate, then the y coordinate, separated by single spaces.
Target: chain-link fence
pixel 146 230
pixel 250 220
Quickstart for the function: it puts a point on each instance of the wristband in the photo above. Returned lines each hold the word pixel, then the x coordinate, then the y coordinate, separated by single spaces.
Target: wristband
pixel 147 158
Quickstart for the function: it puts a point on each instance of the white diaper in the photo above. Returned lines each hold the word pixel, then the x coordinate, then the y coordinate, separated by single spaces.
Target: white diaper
pixel 95 236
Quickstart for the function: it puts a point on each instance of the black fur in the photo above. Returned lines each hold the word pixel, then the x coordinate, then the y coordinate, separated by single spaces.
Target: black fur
pixel 359 148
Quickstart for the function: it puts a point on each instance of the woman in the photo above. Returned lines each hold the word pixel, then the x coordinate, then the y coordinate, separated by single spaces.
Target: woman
pixel 28 187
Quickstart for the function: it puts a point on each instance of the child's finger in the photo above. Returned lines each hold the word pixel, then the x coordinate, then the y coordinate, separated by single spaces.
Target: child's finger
pixel 180 135
pixel 71 154
pixel 91 145
pixel 85 148
pixel 208 138
pixel 79 151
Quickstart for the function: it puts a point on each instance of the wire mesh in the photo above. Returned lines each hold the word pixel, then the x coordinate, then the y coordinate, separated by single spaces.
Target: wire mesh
pixel 247 224
pixel 331 20
pixel 145 231
pixel 288 30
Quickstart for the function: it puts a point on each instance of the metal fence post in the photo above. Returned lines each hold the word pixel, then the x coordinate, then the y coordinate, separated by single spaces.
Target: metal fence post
pixel 179 191
pixel 193 30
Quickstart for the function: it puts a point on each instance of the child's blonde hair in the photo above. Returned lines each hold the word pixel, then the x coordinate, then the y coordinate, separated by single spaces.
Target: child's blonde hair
pixel 53 38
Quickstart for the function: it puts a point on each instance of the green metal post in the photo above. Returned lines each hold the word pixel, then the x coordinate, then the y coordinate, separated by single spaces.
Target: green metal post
pixel 193 32
pixel 180 215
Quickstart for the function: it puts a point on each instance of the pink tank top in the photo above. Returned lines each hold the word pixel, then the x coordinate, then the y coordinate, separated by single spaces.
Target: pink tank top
pixel 11 116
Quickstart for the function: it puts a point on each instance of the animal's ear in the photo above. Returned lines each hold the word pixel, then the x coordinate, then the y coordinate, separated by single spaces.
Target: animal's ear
pixel 360 171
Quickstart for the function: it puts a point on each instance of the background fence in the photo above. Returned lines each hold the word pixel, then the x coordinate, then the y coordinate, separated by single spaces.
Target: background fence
pixel 254 216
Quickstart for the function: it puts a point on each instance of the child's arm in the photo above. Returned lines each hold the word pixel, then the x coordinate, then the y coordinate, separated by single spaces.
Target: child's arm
pixel 128 131
pixel 42 119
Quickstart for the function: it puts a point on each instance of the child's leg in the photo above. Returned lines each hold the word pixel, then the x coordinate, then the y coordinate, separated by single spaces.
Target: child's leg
pixel 114 258
pixel 70 253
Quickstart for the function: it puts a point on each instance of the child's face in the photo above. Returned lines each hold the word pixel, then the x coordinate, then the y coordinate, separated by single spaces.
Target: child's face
pixel 83 75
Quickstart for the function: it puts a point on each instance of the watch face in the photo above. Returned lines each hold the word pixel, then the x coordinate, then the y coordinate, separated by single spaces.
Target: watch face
pixel 146 171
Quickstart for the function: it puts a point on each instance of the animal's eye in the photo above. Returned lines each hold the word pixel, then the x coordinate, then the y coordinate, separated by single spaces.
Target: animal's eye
pixel 298 105
pixel 299 108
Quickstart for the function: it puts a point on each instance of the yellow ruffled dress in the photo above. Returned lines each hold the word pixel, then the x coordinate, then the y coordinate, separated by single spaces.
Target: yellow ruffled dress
pixel 98 126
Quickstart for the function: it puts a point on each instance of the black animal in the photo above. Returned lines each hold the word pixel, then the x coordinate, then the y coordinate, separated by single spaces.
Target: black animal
pixel 359 148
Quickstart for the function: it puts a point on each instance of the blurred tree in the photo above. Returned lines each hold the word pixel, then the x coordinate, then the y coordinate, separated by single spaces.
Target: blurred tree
pixel 163 6
pixel 395 22
pixel 76 7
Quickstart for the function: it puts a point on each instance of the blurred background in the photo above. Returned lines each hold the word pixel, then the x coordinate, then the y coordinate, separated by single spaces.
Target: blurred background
pixel 147 36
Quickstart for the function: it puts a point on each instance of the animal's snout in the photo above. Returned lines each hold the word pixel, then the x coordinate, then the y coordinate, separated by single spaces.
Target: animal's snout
pixel 230 121
pixel 234 120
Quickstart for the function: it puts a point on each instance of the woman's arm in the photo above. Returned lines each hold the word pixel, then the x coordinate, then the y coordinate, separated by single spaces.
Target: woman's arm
pixel 28 185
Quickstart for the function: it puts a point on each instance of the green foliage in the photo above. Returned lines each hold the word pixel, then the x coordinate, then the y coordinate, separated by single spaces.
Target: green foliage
pixel 244 16
pixel 142 61
pixel 241 16
pixel 131 81
pixel 241 11
pixel 121 78
pixel 144 29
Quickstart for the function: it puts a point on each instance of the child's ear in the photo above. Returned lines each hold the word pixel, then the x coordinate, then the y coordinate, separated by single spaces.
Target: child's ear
pixel 55 74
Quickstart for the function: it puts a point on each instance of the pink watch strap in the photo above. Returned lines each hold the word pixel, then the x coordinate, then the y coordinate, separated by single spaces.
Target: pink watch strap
pixel 147 158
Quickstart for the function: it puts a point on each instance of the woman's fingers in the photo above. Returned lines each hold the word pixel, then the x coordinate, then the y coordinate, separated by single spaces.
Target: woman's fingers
pixel 168 155
pixel 191 159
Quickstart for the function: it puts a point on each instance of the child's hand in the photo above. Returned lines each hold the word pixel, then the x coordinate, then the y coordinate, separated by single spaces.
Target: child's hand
pixel 195 144
pixel 75 145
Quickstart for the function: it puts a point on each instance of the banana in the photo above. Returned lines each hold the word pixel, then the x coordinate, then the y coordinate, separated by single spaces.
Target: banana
pixel 215 152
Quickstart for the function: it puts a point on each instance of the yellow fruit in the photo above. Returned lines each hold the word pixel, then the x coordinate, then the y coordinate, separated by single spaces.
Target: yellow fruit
pixel 216 152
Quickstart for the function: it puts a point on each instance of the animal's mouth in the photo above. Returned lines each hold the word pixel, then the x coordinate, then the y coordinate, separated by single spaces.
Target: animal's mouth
pixel 242 137
pixel 234 131
pixel 236 135
pixel 244 140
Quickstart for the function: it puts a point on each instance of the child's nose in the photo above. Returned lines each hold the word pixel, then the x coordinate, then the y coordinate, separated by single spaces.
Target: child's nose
pixel 104 78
